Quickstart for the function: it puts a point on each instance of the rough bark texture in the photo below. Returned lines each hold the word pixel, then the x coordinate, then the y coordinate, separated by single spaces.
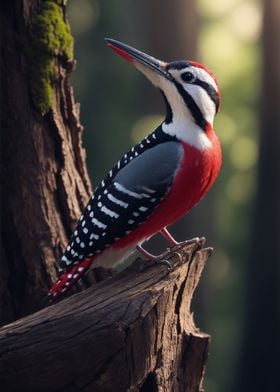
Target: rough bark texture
pixel 44 181
pixel 133 332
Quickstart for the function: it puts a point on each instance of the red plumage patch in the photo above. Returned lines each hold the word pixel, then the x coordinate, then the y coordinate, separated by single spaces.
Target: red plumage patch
pixel 68 279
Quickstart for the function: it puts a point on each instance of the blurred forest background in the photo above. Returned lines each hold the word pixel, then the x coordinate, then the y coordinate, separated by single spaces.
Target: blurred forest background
pixel 238 300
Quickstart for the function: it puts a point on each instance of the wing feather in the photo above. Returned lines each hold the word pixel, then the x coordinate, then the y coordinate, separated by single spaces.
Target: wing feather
pixel 124 200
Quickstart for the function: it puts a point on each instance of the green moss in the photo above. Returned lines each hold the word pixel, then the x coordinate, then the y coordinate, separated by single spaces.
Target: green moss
pixel 50 39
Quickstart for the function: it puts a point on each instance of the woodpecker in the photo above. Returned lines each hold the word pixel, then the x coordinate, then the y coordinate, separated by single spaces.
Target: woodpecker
pixel 159 179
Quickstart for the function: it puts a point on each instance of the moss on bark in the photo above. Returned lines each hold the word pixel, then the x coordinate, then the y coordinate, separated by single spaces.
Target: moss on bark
pixel 51 39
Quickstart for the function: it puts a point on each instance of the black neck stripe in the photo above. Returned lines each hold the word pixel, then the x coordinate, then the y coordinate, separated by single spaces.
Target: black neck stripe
pixel 192 105
pixel 212 93
pixel 169 113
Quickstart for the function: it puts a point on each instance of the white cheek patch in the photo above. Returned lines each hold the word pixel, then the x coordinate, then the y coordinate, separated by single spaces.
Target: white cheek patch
pixel 178 106
pixel 198 93
pixel 203 75
pixel 203 101
pixel 199 73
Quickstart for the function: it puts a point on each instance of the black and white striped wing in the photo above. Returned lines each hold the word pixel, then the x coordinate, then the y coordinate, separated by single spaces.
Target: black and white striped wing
pixel 124 201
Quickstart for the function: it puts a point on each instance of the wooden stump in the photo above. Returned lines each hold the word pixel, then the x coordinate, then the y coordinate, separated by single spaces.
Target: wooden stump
pixel 132 332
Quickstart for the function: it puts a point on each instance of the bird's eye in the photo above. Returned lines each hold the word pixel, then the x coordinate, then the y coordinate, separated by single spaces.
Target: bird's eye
pixel 188 77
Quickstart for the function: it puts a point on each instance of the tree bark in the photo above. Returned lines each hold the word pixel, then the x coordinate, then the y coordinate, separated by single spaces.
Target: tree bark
pixel 133 332
pixel 44 180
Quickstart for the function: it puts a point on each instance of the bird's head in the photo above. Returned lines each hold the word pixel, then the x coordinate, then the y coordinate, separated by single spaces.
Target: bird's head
pixel 190 89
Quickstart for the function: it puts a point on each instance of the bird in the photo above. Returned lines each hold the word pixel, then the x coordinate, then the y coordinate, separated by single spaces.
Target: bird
pixel 158 180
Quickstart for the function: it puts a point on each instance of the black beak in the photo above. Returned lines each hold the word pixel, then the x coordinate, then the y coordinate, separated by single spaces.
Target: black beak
pixel 135 56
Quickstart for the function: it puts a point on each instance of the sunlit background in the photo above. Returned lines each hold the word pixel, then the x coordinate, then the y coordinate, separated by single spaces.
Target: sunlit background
pixel 119 107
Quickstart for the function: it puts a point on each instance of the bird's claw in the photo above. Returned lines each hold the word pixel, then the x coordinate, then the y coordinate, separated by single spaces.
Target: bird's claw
pixel 182 244
pixel 157 260
pixel 164 262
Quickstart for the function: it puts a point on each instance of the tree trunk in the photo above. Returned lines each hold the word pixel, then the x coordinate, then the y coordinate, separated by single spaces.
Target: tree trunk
pixel 133 332
pixel 44 180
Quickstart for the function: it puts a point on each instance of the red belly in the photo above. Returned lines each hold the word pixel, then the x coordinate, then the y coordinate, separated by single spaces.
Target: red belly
pixel 197 174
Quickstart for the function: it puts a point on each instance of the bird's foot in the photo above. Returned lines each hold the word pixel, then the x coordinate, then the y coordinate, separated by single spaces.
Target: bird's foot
pixel 175 245
pixel 182 244
pixel 152 260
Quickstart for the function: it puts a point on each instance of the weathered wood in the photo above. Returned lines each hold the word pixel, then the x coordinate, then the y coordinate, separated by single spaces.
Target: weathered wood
pixel 132 332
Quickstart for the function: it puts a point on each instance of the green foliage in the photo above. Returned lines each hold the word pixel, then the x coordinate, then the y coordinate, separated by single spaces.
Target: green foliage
pixel 50 38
